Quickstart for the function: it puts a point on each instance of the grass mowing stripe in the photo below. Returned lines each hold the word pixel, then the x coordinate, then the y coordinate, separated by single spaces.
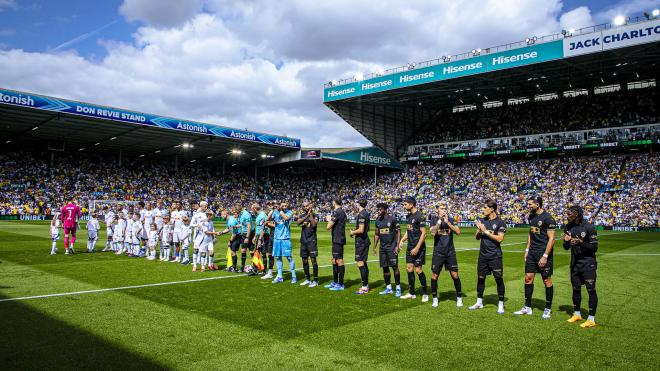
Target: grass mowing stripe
pixel 244 275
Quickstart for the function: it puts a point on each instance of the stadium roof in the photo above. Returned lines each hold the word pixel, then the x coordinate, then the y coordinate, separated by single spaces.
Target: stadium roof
pixel 31 120
pixel 389 109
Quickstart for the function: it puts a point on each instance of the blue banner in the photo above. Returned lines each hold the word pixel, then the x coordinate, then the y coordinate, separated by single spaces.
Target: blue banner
pixel 470 66
pixel 89 110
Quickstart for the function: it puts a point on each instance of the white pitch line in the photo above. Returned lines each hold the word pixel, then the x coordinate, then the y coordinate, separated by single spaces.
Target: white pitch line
pixel 245 275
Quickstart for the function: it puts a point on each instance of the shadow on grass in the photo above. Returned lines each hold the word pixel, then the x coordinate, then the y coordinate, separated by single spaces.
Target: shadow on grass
pixel 33 340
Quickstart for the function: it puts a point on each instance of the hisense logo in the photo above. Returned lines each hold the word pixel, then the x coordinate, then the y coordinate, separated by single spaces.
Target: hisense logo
pixel 336 93
pixel 367 157
pixel 514 58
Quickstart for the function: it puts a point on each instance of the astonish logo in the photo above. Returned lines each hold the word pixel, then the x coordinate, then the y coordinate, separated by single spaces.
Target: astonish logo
pixel 191 127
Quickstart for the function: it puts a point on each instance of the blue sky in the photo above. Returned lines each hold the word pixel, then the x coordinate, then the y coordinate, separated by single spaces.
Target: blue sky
pixel 257 64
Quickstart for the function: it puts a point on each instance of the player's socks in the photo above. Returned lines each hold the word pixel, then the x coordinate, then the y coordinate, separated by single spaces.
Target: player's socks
pixel 66 243
pixel 335 272
pixel 211 259
pixel 54 248
pixel 387 277
pixel 271 263
pixel 234 261
pixel 435 302
pixel 458 287
pixel 292 269
pixel 243 258
pixel 500 307
pixel 397 278
pixel 202 260
pixel 186 257
pixel 434 289
pixel 315 270
pixel 591 318
pixel 363 276
pixel 306 269
pixel 422 282
pixel 411 283
pixel 549 293
pixel 341 269
pixel 529 290
pixel 278 262
pixel 73 241
pixel 500 288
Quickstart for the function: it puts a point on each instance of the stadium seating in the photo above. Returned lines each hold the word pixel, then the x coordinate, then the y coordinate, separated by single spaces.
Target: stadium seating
pixel 614 190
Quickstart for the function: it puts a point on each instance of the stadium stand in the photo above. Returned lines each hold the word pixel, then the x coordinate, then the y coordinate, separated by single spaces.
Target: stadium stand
pixel 615 189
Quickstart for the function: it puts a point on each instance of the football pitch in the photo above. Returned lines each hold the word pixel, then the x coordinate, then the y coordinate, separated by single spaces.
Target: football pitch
pixel 125 313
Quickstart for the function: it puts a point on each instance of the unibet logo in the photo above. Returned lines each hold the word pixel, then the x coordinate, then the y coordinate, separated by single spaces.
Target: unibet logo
pixel 367 157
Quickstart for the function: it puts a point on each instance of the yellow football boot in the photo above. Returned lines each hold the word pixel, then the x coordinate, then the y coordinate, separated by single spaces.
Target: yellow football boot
pixel 574 319
pixel 588 323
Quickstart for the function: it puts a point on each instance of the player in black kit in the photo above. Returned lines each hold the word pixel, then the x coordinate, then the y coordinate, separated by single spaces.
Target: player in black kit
pixel 388 234
pixel 309 250
pixel 444 254
pixel 416 249
pixel 580 237
pixel 362 242
pixel 490 230
pixel 538 255
pixel 337 224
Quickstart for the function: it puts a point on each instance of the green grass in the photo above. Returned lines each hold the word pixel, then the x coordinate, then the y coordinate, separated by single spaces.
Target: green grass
pixel 246 323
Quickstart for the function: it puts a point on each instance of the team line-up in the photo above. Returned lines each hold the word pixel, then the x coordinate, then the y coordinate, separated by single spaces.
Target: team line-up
pixel 266 232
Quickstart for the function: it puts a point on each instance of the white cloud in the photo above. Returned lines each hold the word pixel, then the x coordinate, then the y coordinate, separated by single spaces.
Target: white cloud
pixel 7 4
pixel 627 8
pixel 160 13
pixel 261 64
pixel 576 19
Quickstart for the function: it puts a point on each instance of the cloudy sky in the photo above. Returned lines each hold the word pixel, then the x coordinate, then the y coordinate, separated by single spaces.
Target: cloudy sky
pixel 255 64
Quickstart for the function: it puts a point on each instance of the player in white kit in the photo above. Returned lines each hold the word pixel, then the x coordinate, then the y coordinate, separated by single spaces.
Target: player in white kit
pixel 55 226
pixel 177 222
pixel 186 234
pixel 128 236
pixel 118 237
pixel 151 242
pixel 136 235
pixel 109 221
pixel 165 239
pixel 198 219
pixel 93 228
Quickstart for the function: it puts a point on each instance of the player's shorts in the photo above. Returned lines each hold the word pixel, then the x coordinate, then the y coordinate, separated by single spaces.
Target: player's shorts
pixel 266 245
pixel 136 240
pixel 235 244
pixel 388 258
pixel 176 236
pixel 55 237
pixel 532 265
pixel 71 230
pixel 448 261
pixel 249 245
pixel 416 260
pixel 338 251
pixel 92 237
pixel 583 277
pixel 118 238
pixel 487 266
pixel 282 248
pixel 109 231
pixel 309 249
pixel 361 252
pixel 185 242
pixel 207 246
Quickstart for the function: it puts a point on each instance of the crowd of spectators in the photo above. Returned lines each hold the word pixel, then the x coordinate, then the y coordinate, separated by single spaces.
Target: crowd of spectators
pixel 614 190
pixel 613 109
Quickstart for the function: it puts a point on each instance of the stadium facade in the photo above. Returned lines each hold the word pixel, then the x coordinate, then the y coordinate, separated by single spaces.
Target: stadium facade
pixel 389 108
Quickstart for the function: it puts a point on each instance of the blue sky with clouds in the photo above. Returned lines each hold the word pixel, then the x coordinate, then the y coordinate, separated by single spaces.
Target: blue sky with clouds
pixel 256 64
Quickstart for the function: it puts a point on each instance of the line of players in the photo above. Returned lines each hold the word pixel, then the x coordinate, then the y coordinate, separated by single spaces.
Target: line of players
pixel 268 231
